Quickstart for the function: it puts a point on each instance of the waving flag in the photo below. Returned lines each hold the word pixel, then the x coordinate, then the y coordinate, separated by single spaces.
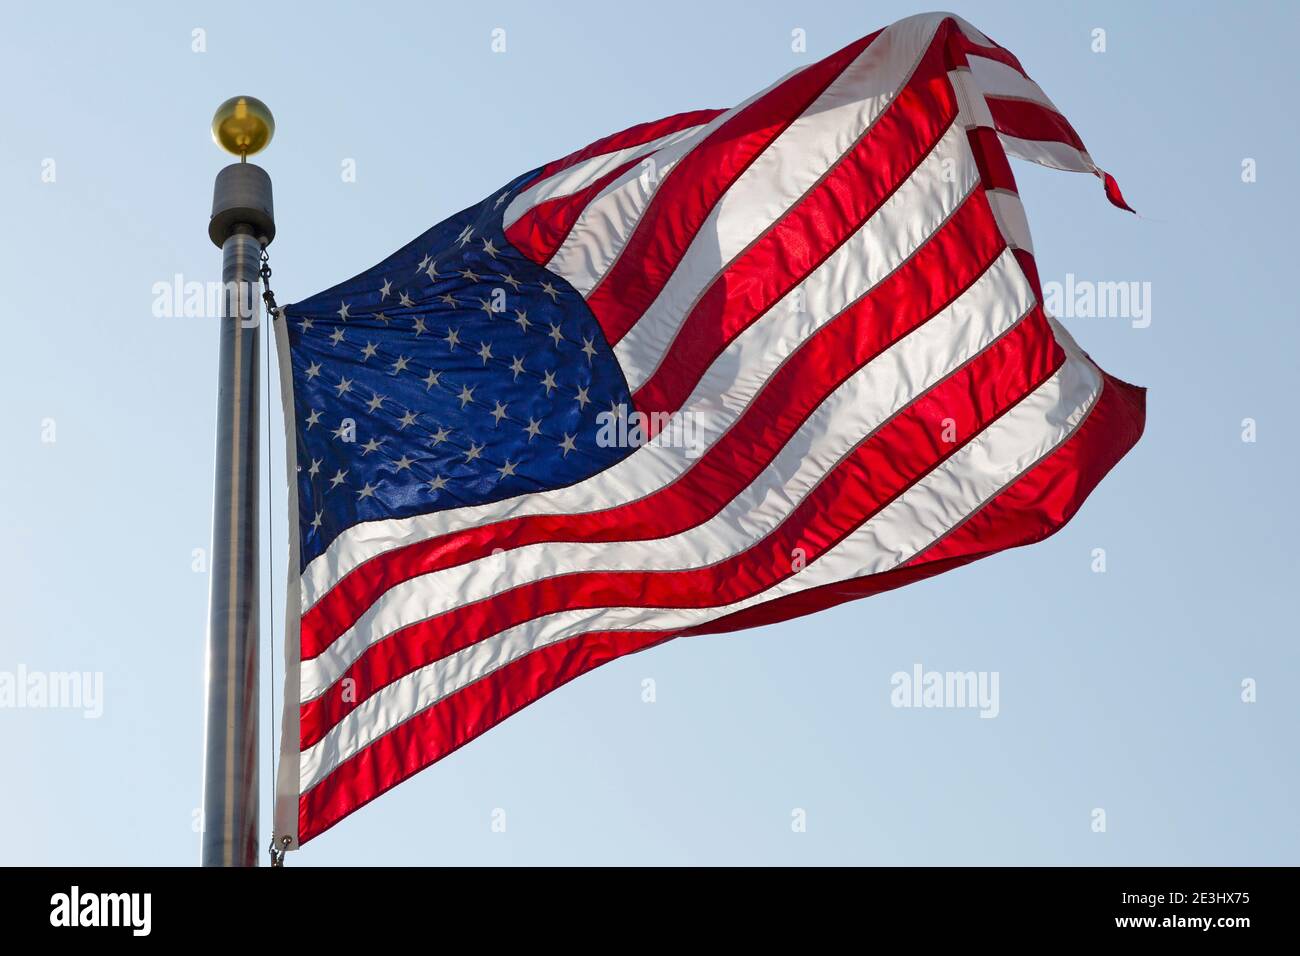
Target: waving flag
pixel 713 371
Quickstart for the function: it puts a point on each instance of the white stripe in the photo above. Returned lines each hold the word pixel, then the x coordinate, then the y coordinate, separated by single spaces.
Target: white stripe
pixel 972 34
pixel 1049 153
pixel 583 174
pixel 924 513
pixel 776 180
pixel 1009 212
pixel 972 109
pixel 995 302
pixel 884 242
pixel 998 79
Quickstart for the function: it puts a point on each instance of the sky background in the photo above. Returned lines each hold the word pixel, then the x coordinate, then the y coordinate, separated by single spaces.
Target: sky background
pixel 1119 690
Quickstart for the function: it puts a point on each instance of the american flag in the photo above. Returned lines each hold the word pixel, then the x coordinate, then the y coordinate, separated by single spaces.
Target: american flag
pixel 713 371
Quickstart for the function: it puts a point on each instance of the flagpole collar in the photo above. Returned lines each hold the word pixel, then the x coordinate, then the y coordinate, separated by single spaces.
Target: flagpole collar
pixel 241 196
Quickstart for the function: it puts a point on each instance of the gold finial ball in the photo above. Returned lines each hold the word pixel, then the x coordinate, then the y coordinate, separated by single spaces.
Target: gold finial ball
pixel 242 125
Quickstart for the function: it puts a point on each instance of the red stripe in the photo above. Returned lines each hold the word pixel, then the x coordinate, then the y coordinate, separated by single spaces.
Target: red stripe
pixel 1039 503
pixel 541 230
pixel 991 158
pixel 1026 120
pixel 851 192
pixel 1029 266
pixel 686 196
pixel 1113 193
pixel 937 273
pixel 632 136
pixel 882 467
pixel 962 46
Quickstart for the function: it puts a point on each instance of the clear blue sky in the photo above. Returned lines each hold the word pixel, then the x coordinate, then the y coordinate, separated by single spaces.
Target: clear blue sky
pixel 1119 691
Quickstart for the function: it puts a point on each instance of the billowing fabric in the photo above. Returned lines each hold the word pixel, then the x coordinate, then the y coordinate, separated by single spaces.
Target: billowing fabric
pixel 713 371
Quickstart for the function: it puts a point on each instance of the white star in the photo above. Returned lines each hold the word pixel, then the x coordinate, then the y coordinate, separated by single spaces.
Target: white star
pixel 534 426
pixel 588 349
pixel 449 299
pixel 567 445
pixel 437 483
pixel 423 262
pixel 306 324
pixel 469 274
pixel 555 334
pixel 344 385
pixel 405 301
pixel 315 522
pixel 336 337
pixel 407 419
pixel 582 397
pixel 511 281
pixel 507 469
pixel 313 370
pixel 522 319
pixel 453 338
pixel 369 351
pixel 376 401
pixel 369 446
pixel 465 235
pixel 343 311
pixel 431 379
pixel 432 271
pixel 419 325
pixel 367 491
pixel 403 463
pixel 314 470
pixel 313 418
pixel 485 352
pixel 401 363
pixel 339 432
pixel 440 436
pixel 548 382
pixel 474 451
pixel 338 478
pixel 517 366
pixel 500 200
pixel 466 396
pixel 489 248
pixel 486 306
pixel 499 412
pixel 551 291
pixel 382 318
pixel 385 290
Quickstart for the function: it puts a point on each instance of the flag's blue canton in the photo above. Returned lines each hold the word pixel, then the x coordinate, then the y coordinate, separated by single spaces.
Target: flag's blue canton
pixel 454 373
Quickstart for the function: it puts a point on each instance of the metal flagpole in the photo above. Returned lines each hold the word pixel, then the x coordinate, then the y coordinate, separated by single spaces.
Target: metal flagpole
pixel 242 224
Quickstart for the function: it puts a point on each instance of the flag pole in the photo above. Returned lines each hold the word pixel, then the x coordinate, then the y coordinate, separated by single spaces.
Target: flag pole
pixel 242 223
